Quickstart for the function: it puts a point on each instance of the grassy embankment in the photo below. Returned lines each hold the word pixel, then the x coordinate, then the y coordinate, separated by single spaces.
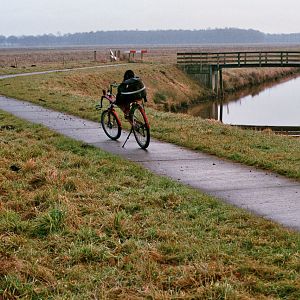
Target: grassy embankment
pixel 78 91
pixel 78 223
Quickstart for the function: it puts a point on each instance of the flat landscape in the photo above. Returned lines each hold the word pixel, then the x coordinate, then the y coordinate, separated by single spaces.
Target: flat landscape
pixel 79 223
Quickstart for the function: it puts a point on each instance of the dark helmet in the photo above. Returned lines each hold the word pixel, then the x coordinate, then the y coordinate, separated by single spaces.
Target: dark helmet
pixel 128 74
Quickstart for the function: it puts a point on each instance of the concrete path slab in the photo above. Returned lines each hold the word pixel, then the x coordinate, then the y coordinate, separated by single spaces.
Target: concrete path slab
pixel 269 195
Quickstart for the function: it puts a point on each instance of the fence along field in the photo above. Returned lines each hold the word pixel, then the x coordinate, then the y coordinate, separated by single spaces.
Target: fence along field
pixel 18 58
pixel 22 57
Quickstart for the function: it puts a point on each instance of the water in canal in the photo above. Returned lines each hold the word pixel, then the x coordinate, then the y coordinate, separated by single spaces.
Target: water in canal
pixel 277 105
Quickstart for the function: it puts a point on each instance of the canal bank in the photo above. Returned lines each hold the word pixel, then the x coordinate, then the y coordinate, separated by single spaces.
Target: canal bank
pixel 256 108
pixel 236 83
pixel 64 92
pixel 269 105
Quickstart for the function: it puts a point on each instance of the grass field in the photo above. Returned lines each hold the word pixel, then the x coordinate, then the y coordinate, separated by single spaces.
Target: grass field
pixel 77 93
pixel 78 223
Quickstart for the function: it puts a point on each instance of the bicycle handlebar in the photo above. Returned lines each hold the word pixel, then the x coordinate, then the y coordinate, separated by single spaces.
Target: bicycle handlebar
pixel 108 97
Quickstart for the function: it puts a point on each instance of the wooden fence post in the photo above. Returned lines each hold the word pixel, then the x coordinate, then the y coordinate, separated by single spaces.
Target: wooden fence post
pixel 260 59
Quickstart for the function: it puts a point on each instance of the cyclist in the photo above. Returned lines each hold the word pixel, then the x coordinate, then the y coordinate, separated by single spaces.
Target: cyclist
pixel 132 88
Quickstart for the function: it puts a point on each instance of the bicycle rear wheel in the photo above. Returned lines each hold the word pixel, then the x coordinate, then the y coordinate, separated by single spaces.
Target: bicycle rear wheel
pixel 140 125
pixel 111 124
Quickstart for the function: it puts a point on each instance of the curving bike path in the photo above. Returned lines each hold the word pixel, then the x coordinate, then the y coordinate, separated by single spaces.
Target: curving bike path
pixel 269 195
pixel 60 70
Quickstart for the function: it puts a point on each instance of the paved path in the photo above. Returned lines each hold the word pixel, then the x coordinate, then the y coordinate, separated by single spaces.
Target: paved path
pixel 60 70
pixel 269 195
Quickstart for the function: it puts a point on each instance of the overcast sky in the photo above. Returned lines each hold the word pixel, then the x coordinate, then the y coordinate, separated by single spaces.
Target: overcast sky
pixel 25 17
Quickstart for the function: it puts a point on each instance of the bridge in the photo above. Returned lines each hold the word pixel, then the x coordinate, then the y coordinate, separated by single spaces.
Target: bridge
pixel 207 66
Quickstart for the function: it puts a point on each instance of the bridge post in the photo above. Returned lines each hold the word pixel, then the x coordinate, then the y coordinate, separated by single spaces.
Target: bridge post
pixel 214 79
pixel 221 94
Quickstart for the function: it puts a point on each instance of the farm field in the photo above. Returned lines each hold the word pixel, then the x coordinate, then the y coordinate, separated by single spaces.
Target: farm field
pixel 15 60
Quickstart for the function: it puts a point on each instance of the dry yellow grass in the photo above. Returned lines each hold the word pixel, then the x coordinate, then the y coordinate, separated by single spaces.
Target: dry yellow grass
pixel 77 93
pixel 78 223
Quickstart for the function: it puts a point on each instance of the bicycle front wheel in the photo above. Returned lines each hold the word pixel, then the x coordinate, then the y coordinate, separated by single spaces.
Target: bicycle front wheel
pixel 140 125
pixel 111 124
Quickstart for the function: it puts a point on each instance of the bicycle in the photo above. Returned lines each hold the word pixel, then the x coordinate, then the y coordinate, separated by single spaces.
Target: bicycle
pixel 137 118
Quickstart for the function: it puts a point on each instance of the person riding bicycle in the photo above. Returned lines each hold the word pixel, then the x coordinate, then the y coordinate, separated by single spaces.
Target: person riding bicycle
pixel 132 88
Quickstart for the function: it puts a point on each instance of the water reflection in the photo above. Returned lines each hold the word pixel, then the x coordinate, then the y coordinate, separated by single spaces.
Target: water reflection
pixel 269 104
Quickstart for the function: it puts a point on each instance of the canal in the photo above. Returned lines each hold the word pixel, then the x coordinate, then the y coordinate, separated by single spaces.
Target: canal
pixel 272 105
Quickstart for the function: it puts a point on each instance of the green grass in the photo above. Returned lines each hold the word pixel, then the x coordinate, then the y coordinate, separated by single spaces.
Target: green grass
pixel 78 92
pixel 79 223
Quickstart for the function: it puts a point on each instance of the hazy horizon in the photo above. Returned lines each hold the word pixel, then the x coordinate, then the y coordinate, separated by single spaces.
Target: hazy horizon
pixel 145 30
pixel 38 17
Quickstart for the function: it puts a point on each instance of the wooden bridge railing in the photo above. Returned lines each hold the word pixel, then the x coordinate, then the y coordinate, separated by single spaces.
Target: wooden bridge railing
pixel 241 59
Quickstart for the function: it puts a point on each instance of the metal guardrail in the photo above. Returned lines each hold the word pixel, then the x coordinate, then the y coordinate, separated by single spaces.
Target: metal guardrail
pixel 241 59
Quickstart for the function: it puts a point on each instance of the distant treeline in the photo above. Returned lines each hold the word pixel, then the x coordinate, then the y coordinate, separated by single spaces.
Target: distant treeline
pixel 152 37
